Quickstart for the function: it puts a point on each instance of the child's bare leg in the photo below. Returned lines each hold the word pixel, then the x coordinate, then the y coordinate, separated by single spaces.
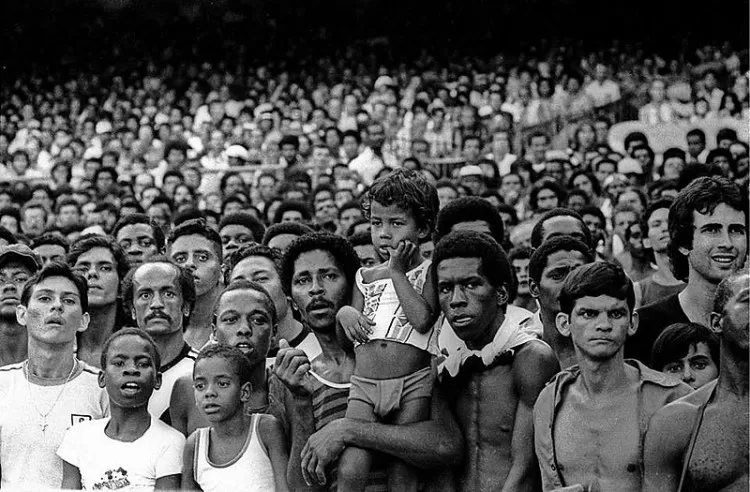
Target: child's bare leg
pixel 402 476
pixel 354 464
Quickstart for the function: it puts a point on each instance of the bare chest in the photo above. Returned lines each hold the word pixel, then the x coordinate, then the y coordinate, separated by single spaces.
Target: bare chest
pixel 720 456
pixel 599 442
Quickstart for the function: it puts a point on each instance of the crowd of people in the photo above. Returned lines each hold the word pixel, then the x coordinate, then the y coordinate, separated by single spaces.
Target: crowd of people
pixel 345 273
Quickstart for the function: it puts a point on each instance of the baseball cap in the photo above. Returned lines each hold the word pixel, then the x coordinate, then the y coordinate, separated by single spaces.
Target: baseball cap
pixel 470 170
pixel 21 253
pixel 238 151
pixel 628 165
pixel 384 80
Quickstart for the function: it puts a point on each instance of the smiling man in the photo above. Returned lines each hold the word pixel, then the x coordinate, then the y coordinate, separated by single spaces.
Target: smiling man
pixel 708 243
pixel 589 422
pixel 160 297
pixel 50 391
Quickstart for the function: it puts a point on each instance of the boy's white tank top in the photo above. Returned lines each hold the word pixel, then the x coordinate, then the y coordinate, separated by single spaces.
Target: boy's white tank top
pixel 249 471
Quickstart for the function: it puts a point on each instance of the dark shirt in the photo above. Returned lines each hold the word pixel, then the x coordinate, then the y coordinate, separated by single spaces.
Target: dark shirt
pixel 652 320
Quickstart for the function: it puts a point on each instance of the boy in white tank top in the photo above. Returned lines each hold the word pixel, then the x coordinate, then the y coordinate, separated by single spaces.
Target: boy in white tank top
pixel 238 452
pixel 394 308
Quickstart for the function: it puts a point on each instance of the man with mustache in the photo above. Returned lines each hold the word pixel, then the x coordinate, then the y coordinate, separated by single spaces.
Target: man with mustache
pixel 17 264
pixel 194 246
pixel 708 243
pixel 101 261
pixel 160 297
pixel 310 396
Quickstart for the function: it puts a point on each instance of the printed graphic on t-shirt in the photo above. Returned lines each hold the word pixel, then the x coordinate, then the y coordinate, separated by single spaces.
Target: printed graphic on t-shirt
pixel 113 480
pixel 76 418
pixel 372 299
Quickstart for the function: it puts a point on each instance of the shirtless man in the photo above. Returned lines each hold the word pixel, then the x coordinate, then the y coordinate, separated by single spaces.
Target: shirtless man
pixel 700 442
pixel 549 266
pixel 590 420
pixel 493 396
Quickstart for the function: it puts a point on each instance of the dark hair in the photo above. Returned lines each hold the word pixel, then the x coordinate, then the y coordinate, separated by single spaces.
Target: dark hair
pixel 470 244
pixel 246 251
pixel 408 190
pixel 7 235
pixel 537 233
pixel 354 134
pixel 66 202
pixel 197 227
pixel 653 207
pixel 671 153
pixel 520 253
pixel 246 220
pixel 89 242
pixel 594 280
pixel 133 219
pixel 360 239
pixel 288 205
pixel 49 238
pixel 720 152
pixel 173 173
pixel 634 136
pixel 545 185
pixel 726 134
pixel 675 341
pixel 242 284
pixel 349 205
pixel 134 332
pixel 595 185
pixel 539 258
pixel 234 356
pixel 595 211
pixel 57 270
pixel 295 228
pixel 504 208
pixel 339 248
pixel 697 132
pixel 289 140
pixel 703 196
pixel 184 280
pixel 469 208
pixel 225 178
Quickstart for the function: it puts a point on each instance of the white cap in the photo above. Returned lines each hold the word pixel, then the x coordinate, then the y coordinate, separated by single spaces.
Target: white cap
pixel 470 171
pixel 238 151
pixel 103 126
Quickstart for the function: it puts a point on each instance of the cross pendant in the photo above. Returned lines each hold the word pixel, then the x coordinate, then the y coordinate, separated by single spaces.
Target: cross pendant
pixel 43 426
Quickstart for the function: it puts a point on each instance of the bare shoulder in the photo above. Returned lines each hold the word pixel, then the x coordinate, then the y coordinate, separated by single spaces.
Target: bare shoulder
pixel 182 391
pixel 533 367
pixel 535 353
pixel 681 412
pixel 270 428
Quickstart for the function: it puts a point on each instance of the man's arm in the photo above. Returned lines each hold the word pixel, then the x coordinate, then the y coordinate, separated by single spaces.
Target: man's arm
pixel 180 401
pixel 71 477
pixel 534 365
pixel 666 442
pixel 427 444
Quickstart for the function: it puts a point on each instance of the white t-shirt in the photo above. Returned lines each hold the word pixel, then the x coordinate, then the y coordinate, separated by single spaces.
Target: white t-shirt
pixel 28 456
pixel 106 463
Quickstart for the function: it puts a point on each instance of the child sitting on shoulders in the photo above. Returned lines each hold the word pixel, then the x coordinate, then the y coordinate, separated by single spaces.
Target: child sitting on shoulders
pixel 238 452
pixel 130 449
pixel 394 307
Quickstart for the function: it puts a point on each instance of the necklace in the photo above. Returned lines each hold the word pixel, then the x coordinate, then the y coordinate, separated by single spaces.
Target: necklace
pixel 43 424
